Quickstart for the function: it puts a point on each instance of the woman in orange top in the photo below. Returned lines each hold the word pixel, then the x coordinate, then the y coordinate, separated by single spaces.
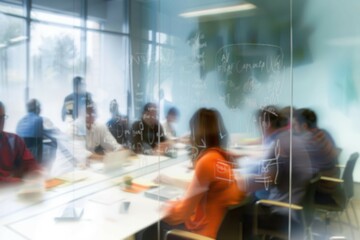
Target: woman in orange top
pixel 213 187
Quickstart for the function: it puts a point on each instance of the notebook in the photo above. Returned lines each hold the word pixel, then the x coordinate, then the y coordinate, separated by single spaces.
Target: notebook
pixel 164 193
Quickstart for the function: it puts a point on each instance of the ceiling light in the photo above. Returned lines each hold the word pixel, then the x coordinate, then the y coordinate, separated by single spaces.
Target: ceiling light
pixel 221 10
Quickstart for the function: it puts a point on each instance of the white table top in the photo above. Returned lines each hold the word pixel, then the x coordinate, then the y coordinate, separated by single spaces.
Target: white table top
pixel 98 194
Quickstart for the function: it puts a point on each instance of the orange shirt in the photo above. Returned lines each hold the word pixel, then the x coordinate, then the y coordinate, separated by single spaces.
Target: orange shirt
pixel 210 192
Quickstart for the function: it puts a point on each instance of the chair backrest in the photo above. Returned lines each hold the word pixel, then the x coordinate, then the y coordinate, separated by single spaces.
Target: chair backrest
pixel 308 201
pixel 35 145
pixel 348 175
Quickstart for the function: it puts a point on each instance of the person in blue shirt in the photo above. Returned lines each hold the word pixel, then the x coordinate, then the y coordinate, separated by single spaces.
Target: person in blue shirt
pixel 75 103
pixel 30 128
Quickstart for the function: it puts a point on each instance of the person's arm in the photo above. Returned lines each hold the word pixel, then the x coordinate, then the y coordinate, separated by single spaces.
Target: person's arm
pixel 107 141
pixel 136 135
pixel 180 211
pixel 25 163
pixel 63 110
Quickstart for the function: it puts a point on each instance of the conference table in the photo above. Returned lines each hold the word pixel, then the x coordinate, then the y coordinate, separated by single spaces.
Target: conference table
pixel 109 210
pixel 101 196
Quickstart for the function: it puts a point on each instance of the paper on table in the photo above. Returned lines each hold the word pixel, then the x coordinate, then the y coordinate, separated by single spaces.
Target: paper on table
pixel 74 176
pixel 54 182
pixel 145 182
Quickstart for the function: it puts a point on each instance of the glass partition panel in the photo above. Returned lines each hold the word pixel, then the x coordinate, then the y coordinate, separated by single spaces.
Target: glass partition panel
pixel 194 114
pixel 108 15
pixel 12 67
pixel 228 72
pixel 12 7
pixel 67 12
pixel 327 84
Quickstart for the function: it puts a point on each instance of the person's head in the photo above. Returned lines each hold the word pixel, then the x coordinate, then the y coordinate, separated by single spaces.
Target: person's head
pixel 114 108
pixel 2 117
pixel 207 129
pixel 285 115
pixel 172 115
pixel 270 119
pixel 305 119
pixel 90 114
pixel 79 85
pixel 33 106
pixel 150 113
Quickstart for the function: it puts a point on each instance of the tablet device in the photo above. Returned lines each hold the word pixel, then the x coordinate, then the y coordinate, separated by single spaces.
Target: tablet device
pixel 164 193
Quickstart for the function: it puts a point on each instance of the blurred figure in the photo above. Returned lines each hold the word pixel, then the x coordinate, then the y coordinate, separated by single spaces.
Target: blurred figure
pixel 16 161
pixel 147 132
pixel 320 144
pixel 321 148
pixel 274 173
pixel 213 188
pixel 286 114
pixel 74 103
pixel 38 133
pixel 98 138
pixel 30 128
pixel 171 118
pixel 118 125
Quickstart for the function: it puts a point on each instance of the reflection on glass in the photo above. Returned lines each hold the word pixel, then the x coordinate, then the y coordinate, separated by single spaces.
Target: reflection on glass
pixel 16 9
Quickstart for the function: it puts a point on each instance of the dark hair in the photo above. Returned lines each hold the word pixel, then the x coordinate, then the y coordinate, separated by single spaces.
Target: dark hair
pixel 307 116
pixel 207 129
pixel 2 105
pixel 173 111
pixel 285 115
pixel 148 107
pixel 270 116
pixel 114 107
pixel 77 81
pixel 33 105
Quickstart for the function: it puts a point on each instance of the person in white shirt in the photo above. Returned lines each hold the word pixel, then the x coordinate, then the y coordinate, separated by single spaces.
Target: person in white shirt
pixel 98 138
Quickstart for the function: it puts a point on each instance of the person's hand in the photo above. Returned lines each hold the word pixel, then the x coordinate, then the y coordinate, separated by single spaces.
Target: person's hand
pixel 162 147
pixel 96 156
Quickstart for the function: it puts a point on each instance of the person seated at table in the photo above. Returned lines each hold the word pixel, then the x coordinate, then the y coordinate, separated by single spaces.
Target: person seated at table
pixel 98 138
pixel 147 132
pixel 321 148
pixel 37 132
pixel 30 128
pixel 320 144
pixel 213 188
pixel 274 174
pixel 118 125
pixel 16 161
pixel 171 118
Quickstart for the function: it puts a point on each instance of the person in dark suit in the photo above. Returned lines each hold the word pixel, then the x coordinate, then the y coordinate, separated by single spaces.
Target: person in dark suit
pixel 147 132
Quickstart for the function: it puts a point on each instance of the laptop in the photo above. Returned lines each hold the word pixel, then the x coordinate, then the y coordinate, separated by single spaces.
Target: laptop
pixel 115 160
pixel 164 193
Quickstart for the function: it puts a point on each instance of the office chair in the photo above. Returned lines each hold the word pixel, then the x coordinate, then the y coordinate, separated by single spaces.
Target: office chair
pixel 305 211
pixel 230 228
pixel 327 204
pixel 184 235
pixel 35 145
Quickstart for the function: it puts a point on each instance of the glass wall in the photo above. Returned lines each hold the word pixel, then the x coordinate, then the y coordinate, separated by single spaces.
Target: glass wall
pixel 251 61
